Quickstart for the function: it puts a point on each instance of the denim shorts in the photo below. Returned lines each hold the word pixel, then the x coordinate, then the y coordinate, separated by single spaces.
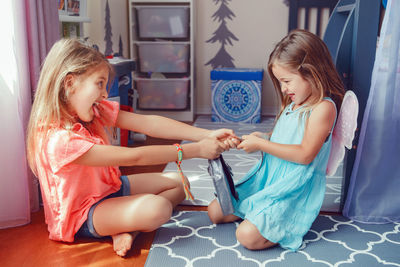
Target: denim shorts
pixel 87 228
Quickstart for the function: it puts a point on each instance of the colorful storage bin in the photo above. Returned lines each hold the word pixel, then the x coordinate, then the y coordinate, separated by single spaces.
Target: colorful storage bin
pixel 165 94
pixel 236 95
pixel 164 57
pixel 163 21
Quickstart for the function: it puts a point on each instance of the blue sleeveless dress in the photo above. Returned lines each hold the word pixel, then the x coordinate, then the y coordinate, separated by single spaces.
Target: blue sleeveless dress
pixel 283 198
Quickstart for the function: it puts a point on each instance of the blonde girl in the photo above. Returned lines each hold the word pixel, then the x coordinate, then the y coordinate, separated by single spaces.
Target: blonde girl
pixel 68 150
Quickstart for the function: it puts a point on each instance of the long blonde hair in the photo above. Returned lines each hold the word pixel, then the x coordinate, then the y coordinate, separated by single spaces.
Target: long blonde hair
pixel 50 108
pixel 306 53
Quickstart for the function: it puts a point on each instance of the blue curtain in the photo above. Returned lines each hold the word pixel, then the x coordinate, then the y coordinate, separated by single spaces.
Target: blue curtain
pixel 374 189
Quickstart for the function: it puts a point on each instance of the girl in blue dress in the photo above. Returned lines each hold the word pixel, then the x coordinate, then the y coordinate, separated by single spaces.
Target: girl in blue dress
pixel 282 195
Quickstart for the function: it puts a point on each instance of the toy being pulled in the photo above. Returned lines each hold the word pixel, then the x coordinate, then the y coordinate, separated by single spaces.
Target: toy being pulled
pixel 221 174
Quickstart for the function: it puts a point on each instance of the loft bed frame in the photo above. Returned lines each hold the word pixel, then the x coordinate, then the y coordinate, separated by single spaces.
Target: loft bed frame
pixel 351 37
pixel 295 7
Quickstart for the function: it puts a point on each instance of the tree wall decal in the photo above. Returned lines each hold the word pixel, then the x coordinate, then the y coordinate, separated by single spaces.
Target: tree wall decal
pixel 121 50
pixel 222 35
pixel 108 32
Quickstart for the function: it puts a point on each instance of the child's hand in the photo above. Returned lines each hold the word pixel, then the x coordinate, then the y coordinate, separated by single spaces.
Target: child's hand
pixel 221 134
pixel 261 135
pixel 232 142
pixel 211 148
pixel 250 143
pixel 227 136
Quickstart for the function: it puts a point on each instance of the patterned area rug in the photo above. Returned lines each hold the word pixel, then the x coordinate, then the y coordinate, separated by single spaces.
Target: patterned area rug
pixel 190 239
pixel 241 162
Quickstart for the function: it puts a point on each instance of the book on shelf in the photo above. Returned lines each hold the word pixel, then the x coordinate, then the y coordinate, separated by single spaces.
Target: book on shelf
pixel 69 7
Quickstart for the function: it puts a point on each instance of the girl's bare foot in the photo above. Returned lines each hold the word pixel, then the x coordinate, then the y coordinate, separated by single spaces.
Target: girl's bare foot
pixel 123 242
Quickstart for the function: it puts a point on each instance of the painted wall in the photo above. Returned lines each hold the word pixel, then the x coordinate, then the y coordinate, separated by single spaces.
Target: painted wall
pixel 257 24
pixel 95 30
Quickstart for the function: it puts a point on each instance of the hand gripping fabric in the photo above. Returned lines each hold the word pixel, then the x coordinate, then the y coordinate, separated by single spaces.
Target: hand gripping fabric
pixel 188 194
pixel 221 174
pixel 343 132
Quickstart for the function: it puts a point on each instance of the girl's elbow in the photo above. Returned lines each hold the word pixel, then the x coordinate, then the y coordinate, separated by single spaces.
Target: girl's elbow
pixel 133 159
pixel 306 159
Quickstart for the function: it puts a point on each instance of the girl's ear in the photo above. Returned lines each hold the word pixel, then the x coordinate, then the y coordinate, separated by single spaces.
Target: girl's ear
pixel 69 84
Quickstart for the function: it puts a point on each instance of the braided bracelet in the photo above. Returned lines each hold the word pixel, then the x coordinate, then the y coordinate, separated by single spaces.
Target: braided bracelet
pixel 188 194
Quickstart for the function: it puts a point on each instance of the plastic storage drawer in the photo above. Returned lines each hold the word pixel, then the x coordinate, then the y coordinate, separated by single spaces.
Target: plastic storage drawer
pixel 169 94
pixel 163 21
pixel 166 57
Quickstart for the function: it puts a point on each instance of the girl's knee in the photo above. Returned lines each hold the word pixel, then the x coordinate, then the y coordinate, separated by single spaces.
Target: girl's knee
pixel 245 236
pixel 246 239
pixel 175 178
pixel 162 208
pixel 215 212
pixel 249 237
pixel 180 191
pixel 217 216
pixel 158 211
pixel 175 181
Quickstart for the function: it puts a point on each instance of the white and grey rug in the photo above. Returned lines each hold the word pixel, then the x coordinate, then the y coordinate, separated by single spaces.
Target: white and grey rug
pixel 241 162
pixel 190 239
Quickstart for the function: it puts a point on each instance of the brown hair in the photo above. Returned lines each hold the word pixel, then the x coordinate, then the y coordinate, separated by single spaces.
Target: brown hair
pixel 67 56
pixel 305 53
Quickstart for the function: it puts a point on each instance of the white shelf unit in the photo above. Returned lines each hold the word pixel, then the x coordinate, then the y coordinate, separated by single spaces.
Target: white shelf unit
pixel 79 18
pixel 67 18
pixel 136 39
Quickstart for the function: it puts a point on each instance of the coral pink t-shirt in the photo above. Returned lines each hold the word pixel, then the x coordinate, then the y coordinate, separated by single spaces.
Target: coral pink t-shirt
pixel 68 189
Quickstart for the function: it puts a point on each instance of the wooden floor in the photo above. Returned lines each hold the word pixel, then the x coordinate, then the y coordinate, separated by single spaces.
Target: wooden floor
pixel 29 245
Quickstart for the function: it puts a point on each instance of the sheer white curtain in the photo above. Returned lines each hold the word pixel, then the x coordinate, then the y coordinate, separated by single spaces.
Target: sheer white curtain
pixel 20 61
pixel 15 102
